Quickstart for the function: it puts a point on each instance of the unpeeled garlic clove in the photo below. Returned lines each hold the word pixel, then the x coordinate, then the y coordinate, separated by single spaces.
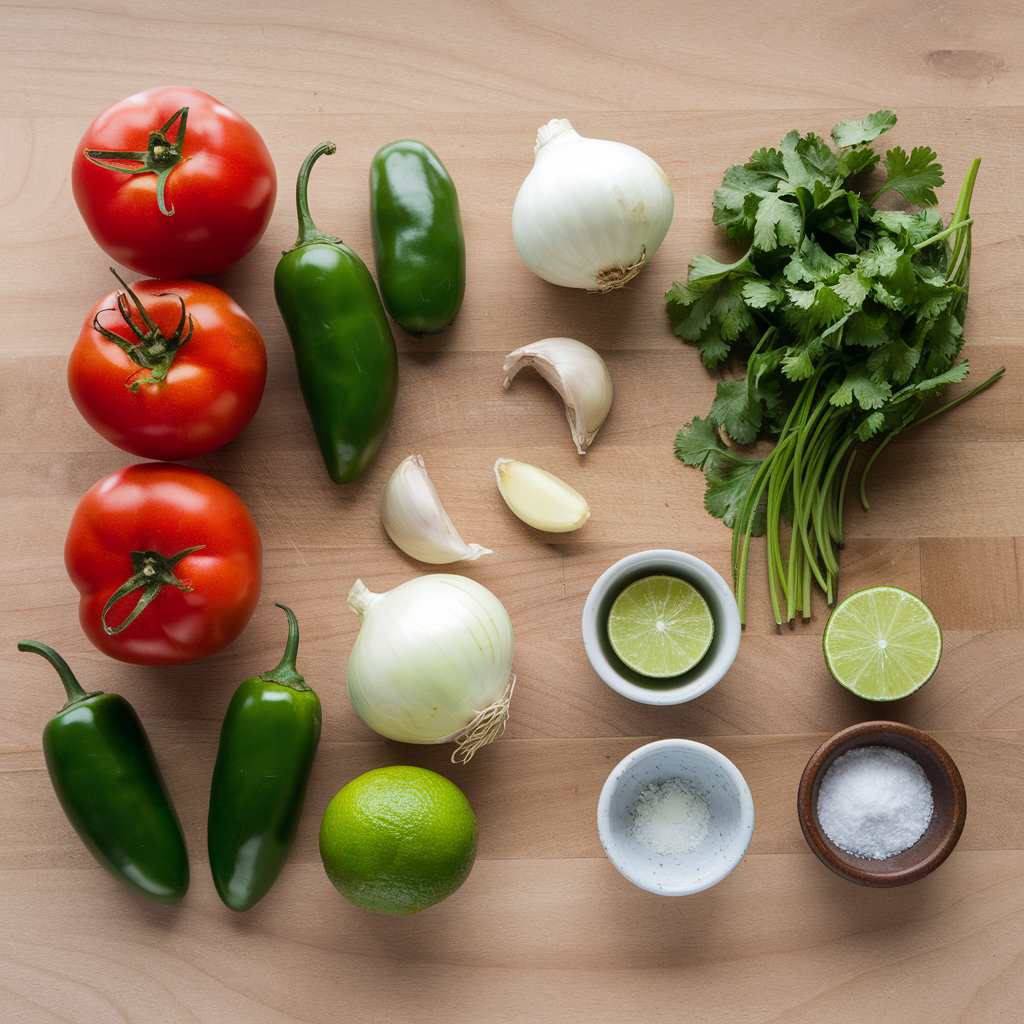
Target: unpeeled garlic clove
pixel 416 521
pixel 577 373
pixel 540 498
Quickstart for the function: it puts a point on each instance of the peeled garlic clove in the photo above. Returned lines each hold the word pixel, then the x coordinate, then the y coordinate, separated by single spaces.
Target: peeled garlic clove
pixel 539 498
pixel 577 373
pixel 417 522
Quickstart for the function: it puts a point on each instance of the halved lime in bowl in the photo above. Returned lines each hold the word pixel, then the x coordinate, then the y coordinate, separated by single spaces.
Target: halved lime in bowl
pixel 660 626
pixel 882 643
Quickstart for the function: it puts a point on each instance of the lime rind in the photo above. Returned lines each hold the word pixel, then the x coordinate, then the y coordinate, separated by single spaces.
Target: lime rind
pixel 660 626
pixel 882 643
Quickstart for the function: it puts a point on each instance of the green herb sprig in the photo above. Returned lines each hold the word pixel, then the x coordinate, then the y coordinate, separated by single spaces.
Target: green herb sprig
pixel 849 319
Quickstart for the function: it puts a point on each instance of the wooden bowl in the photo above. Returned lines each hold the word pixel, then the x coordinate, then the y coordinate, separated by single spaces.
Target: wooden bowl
pixel 948 797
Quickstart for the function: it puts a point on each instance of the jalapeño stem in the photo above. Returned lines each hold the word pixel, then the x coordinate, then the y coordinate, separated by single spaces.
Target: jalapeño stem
pixel 72 687
pixel 308 231
pixel 286 673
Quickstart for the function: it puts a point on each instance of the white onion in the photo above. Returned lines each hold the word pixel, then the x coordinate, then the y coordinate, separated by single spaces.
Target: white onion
pixel 432 662
pixel 590 213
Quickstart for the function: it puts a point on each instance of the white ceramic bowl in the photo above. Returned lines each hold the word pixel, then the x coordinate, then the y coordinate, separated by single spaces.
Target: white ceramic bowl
pixel 706 672
pixel 730 806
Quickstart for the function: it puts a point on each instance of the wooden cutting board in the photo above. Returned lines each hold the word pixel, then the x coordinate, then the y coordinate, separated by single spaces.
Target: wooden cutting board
pixel 544 929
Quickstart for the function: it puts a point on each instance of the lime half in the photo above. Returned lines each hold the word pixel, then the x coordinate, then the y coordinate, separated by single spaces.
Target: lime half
pixel 660 626
pixel 882 643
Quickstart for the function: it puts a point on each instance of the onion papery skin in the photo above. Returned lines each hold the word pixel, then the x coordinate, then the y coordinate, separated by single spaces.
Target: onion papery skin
pixel 430 655
pixel 591 213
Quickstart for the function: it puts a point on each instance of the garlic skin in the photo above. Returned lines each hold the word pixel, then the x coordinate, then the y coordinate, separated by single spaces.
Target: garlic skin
pixel 590 213
pixel 577 373
pixel 540 498
pixel 416 521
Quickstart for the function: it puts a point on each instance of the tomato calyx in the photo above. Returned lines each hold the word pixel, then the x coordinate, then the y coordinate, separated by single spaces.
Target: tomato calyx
pixel 160 158
pixel 153 352
pixel 151 572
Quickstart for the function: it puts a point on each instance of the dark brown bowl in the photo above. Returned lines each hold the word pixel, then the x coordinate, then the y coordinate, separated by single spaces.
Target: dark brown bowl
pixel 948 797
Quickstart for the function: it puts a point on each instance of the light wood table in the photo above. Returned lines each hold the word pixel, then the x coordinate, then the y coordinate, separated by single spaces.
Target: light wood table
pixel 545 929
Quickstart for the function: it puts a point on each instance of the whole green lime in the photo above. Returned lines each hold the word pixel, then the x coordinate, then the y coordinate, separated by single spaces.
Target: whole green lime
pixel 396 840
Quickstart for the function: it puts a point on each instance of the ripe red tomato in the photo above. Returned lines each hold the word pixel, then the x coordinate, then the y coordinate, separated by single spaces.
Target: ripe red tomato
pixel 180 408
pixel 168 562
pixel 172 183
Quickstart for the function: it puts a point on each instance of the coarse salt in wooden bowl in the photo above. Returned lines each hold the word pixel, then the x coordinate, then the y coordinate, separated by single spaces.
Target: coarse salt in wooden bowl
pixel 949 801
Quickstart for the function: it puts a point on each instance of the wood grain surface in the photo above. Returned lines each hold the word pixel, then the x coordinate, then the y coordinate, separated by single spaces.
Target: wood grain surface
pixel 545 929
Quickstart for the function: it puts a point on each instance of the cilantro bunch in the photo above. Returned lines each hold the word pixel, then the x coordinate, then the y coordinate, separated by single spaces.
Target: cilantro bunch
pixel 848 317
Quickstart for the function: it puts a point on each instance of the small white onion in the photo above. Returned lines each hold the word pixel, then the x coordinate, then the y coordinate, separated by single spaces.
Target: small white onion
pixel 590 213
pixel 432 662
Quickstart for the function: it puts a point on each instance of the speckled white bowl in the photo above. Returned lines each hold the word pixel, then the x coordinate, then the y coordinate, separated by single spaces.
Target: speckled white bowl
pixel 729 802
pixel 707 672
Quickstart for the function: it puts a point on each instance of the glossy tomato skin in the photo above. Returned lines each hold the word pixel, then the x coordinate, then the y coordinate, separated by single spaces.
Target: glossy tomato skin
pixel 222 192
pixel 212 389
pixel 156 506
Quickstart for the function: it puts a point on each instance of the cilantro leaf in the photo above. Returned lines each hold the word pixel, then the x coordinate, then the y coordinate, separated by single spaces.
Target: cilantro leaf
pixel 919 226
pixel 915 177
pixel 855 133
pixel 698 442
pixel 777 222
pixel 736 200
pixel 728 484
pixel 852 288
pixel 712 313
pixel 867 331
pixel 761 294
pixel 856 161
pixel 860 385
pixel 870 426
pixel 735 412
pixel 728 476
pixel 895 361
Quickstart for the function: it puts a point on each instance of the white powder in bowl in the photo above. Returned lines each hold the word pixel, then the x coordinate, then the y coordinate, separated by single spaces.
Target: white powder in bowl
pixel 874 802
pixel 671 816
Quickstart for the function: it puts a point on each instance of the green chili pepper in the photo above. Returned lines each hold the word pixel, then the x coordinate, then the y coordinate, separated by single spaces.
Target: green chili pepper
pixel 267 745
pixel 106 778
pixel 417 237
pixel 344 349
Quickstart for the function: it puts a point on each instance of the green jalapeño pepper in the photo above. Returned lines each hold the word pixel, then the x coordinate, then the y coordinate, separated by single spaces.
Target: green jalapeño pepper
pixel 344 349
pixel 106 779
pixel 417 237
pixel 267 745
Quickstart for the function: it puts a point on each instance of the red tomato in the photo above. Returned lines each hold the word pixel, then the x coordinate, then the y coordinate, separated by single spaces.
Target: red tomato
pixel 213 383
pixel 192 604
pixel 206 198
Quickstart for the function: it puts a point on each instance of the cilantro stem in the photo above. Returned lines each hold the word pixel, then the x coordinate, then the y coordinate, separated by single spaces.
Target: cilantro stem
pixel 916 421
pixel 963 398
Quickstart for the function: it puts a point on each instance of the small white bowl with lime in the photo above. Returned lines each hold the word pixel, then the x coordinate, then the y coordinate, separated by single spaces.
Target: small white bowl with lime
pixel 661 627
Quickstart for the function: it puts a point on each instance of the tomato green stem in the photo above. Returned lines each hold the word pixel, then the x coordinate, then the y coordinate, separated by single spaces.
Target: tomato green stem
pixel 151 571
pixel 160 158
pixel 153 352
